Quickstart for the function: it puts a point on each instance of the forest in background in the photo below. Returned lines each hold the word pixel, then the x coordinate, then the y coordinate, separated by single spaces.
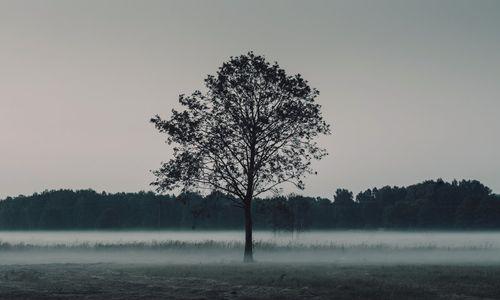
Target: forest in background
pixel 432 204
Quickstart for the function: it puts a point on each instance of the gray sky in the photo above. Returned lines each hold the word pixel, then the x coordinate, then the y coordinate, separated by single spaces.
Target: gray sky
pixel 412 89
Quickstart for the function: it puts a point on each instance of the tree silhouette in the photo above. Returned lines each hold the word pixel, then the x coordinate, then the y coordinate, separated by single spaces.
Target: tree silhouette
pixel 427 205
pixel 252 130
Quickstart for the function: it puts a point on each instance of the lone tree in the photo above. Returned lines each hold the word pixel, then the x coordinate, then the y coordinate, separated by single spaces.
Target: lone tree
pixel 253 129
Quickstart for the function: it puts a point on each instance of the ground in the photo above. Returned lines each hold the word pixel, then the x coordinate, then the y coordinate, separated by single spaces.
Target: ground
pixel 248 281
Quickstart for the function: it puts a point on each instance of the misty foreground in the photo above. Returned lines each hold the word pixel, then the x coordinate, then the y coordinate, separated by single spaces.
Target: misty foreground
pixel 248 281
pixel 174 247
pixel 212 270
pixel 207 265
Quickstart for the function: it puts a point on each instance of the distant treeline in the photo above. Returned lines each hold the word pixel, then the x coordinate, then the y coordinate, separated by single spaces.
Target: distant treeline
pixel 433 204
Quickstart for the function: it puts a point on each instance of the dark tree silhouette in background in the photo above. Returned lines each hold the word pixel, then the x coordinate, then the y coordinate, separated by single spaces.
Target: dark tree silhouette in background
pixel 428 205
pixel 345 211
pixel 252 130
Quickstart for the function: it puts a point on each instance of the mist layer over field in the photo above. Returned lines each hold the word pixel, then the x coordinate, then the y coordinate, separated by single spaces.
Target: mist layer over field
pixel 177 247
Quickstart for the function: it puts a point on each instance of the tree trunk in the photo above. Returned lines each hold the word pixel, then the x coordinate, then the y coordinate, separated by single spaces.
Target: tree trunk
pixel 248 256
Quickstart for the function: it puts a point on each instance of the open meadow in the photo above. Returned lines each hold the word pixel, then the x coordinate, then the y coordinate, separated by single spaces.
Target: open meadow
pixel 248 281
pixel 207 265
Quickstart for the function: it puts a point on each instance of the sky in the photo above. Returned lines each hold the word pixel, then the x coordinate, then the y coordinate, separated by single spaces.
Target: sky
pixel 410 88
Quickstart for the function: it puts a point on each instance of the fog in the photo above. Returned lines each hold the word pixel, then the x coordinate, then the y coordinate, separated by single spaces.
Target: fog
pixel 175 247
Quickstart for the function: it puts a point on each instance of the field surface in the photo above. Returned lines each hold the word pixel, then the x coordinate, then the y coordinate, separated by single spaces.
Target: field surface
pixel 243 281
pixel 207 265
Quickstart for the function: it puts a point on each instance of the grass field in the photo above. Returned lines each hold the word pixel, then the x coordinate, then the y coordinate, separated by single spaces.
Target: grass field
pixel 243 281
pixel 207 265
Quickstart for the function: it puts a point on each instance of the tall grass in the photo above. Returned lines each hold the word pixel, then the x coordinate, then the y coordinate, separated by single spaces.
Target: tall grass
pixel 234 245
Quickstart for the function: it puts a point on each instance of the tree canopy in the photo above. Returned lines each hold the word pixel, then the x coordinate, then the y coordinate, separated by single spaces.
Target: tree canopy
pixel 432 204
pixel 253 129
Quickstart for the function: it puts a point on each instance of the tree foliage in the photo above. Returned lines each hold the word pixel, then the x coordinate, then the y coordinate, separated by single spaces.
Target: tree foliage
pixel 253 129
pixel 429 205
